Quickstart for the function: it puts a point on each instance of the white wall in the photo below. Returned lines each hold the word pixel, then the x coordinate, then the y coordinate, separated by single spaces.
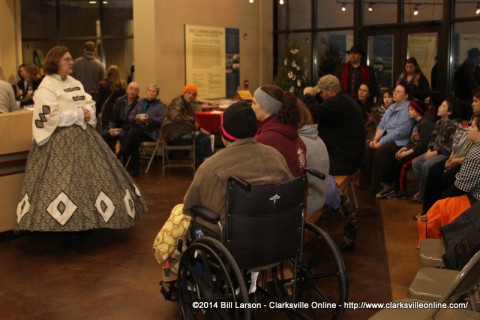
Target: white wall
pixel 10 39
pixel 159 44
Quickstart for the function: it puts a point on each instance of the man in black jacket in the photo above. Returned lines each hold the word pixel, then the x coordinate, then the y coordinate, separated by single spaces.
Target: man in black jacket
pixel 340 125
pixel 119 125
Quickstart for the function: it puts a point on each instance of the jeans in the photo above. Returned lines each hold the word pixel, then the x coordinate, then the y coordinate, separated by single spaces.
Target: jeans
pixel 422 167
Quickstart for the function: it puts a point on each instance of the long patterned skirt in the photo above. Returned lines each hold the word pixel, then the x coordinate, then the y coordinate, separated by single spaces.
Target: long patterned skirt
pixel 74 182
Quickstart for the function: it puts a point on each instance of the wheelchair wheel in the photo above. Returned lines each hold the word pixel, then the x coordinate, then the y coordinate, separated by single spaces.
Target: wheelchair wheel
pixel 210 284
pixel 321 277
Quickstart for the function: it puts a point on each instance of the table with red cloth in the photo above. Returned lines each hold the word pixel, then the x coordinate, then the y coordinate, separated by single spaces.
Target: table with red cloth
pixel 209 120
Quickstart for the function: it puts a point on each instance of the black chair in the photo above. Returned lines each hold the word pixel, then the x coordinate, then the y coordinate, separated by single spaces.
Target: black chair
pixel 264 236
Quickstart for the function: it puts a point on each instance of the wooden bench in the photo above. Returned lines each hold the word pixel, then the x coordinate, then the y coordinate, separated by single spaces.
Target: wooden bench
pixel 343 183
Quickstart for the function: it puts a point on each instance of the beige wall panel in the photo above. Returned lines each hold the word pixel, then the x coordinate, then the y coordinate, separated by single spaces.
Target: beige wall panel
pixel 166 62
pixel 16 132
pixel 8 40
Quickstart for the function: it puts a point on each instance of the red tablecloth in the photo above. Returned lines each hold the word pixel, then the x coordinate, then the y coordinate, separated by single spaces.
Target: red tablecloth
pixel 209 120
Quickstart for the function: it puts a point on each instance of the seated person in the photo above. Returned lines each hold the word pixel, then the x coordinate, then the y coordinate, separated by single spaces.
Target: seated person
pixel 146 119
pixel 439 147
pixel 419 138
pixel 393 132
pixel 278 114
pixel 119 125
pixel 324 192
pixel 340 125
pixel 317 158
pixel 181 110
pixel 467 191
pixel 7 98
pixel 242 156
pixel 366 102
pixel 442 175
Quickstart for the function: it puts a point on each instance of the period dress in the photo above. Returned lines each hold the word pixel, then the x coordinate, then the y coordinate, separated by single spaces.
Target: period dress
pixel 72 181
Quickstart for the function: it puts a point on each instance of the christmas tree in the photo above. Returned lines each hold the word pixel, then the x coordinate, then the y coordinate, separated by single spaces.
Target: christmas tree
pixel 291 75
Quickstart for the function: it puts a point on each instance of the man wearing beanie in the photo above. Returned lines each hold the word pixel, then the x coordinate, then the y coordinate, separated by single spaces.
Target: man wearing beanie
pixel 242 156
pixel 181 110
pixel 419 139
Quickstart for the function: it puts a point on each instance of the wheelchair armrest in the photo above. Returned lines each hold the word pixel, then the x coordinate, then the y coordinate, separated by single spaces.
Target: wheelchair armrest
pixel 316 173
pixel 205 214
pixel 240 182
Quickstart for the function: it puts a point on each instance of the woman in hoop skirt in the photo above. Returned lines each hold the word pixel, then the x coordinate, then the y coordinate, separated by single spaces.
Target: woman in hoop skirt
pixel 72 181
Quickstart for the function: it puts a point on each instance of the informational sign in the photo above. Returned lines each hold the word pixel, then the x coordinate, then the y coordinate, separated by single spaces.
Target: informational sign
pixel 232 60
pixel 423 47
pixel 211 54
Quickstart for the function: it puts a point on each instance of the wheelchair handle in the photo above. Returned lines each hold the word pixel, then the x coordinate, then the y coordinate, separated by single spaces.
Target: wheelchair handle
pixel 316 173
pixel 241 182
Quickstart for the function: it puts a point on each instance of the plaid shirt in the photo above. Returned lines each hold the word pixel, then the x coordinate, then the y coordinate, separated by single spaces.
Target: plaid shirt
pixel 468 178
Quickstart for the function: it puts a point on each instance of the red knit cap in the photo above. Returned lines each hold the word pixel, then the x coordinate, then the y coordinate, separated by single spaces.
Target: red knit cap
pixel 417 108
pixel 190 87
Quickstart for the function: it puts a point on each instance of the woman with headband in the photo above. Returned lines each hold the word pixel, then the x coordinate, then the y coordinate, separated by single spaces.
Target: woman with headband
pixel 278 115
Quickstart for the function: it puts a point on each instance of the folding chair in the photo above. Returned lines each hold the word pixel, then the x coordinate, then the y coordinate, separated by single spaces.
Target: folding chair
pixel 172 131
pixel 464 284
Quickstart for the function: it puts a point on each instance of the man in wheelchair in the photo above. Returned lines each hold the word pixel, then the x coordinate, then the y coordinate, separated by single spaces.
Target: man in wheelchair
pixel 242 156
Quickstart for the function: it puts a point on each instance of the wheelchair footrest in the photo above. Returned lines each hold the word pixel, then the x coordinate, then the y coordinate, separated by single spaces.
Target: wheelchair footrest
pixel 169 290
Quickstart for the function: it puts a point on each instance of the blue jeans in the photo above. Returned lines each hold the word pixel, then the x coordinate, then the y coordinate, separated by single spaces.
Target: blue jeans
pixel 421 169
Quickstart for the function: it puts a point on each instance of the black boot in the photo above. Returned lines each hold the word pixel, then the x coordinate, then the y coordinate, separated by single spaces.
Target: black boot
pixel 351 228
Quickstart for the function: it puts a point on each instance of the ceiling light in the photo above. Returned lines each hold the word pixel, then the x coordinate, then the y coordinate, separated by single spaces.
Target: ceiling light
pixel 478 8
pixel 415 10
pixel 250 1
pixel 370 6
pixel 281 2
pixel 344 7
pixel 92 2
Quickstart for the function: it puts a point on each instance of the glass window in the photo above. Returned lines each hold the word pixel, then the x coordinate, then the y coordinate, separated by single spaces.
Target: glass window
pixel 331 50
pixel 83 13
pixel 383 12
pixel 117 15
pixel 300 14
pixel 38 19
pixel 303 41
pixel 78 21
pixel 380 57
pixel 423 47
pixel 421 11
pixel 334 13
pixel 464 8
pixel 465 64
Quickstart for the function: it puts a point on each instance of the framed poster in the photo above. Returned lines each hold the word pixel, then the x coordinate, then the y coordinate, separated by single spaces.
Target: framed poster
pixel 212 60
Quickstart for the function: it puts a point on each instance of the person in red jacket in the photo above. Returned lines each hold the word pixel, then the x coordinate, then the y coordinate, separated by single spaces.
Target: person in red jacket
pixel 278 115
pixel 355 72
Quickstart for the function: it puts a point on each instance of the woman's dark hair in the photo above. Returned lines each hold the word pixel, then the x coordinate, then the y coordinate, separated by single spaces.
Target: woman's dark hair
pixel 476 118
pixel 305 117
pixel 289 113
pixel 476 93
pixel 23 65
pixel 52 59
pixel 413 61
pixel 389 91
pixel 369 104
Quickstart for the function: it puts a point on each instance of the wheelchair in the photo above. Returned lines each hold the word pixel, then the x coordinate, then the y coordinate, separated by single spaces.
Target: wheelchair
pixel 264 259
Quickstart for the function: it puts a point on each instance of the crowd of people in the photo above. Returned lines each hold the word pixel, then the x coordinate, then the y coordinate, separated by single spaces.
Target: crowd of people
pixel 342 125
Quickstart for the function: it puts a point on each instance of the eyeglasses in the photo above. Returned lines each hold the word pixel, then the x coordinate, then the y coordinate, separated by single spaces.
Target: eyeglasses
pixel 68 59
